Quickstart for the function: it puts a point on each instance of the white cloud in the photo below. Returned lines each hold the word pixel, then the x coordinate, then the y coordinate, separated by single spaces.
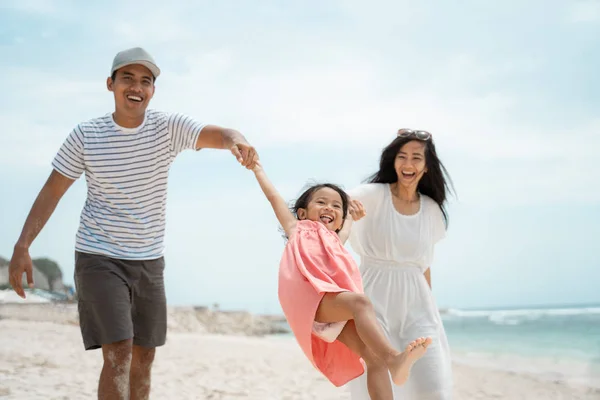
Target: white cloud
pixel 315 92
pixel 31 6
pixel 585 11
pixel 39 117
pixel 384 15
pixel 28 144
pixel 340 106
pixel 160 26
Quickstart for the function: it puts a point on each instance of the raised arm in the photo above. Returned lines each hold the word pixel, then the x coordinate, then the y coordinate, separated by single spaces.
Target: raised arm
pixel 356 211
pixel 344 233
pixel 216 137
pixel 43 207
pixel 282 212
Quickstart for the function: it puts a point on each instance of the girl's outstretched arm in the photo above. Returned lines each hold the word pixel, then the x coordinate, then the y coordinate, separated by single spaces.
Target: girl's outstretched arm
pixel 282 212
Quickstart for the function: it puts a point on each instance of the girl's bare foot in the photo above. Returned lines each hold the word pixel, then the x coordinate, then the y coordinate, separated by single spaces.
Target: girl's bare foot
pixel 401 364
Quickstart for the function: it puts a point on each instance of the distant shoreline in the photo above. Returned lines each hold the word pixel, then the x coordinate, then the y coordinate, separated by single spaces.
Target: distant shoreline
pixel 556 306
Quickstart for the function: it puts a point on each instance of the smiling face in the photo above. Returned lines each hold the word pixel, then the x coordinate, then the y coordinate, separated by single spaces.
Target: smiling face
pixel 410 163
pixel 325 206
pixel 133 88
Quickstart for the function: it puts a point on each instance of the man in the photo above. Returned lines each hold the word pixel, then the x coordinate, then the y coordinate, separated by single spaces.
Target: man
pixel 126 156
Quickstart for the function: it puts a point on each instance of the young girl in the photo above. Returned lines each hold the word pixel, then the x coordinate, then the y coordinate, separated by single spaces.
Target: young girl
pixel 321 294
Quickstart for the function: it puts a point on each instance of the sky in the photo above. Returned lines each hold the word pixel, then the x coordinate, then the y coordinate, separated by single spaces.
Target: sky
pixel 509 90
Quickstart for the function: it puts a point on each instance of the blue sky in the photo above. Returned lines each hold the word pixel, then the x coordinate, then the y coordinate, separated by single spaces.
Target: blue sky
pixel 508 89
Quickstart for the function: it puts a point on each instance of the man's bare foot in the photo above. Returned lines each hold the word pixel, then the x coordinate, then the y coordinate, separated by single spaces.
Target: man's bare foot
pixel 403 362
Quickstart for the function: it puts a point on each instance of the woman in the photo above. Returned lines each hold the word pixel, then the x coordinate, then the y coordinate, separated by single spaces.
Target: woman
pixel 405 218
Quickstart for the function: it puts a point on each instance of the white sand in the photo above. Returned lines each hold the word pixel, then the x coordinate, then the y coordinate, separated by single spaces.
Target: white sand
pixel 42 357
pixel 46 360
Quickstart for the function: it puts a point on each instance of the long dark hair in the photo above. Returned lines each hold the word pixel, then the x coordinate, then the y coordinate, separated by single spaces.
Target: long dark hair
pixel 436 183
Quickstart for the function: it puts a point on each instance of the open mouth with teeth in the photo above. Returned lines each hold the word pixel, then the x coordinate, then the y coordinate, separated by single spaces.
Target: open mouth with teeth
pixel 326 219
pixel 134 98
pixel 408 175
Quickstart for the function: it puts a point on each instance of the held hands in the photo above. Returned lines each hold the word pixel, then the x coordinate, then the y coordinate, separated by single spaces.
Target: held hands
pixel 19 263
pixel 245 154
pixel 257 167
pixel 356 210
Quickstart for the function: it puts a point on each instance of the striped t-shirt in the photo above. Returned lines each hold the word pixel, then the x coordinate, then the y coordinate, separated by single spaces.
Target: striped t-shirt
pixel 126 172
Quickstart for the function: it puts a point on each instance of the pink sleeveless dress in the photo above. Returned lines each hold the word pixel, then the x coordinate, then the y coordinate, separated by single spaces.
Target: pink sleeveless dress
pixel 316 262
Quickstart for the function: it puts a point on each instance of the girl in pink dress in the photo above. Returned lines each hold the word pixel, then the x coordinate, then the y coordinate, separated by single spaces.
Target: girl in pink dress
pixel 321 293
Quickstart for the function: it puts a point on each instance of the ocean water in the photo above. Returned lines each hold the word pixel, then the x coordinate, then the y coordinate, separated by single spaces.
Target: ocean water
pixel 556 343
pixel 552 343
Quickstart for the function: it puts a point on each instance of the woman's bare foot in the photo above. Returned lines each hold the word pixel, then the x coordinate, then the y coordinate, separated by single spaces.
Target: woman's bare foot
pixel 401 364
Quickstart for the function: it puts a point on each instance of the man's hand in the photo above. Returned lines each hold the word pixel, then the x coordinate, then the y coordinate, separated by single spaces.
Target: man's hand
pixel 245 154
pixel 356 210
pixel 19 263
pixel 43 207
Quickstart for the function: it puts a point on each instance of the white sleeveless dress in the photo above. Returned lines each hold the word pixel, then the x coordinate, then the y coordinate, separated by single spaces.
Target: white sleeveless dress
pixel 395 250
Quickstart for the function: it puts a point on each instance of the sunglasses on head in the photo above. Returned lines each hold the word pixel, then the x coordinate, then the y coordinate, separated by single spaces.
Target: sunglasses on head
pixel 421 135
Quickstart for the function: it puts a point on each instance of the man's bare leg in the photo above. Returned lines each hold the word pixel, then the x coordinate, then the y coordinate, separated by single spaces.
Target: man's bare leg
pixel 114 379
pixel 140 373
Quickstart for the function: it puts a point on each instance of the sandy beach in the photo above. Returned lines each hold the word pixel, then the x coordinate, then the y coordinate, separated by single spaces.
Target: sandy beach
pixel 45 360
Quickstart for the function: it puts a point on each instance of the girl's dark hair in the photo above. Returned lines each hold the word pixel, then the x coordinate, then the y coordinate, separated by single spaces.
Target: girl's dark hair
pixel 306 197
pixel 435 183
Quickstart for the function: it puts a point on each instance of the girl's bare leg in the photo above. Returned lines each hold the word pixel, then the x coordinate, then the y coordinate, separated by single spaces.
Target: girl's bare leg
pixel 345 306
pixel 378 378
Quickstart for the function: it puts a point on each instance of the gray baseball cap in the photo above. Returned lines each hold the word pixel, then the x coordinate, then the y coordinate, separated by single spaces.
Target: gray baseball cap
pixel 135 55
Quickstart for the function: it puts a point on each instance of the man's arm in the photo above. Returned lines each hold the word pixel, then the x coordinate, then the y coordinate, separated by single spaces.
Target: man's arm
pixel 216 137
pixel 43 207
pixel 428 277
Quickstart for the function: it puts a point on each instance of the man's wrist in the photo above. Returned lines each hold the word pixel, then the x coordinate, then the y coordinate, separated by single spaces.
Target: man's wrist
pixel 232 138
